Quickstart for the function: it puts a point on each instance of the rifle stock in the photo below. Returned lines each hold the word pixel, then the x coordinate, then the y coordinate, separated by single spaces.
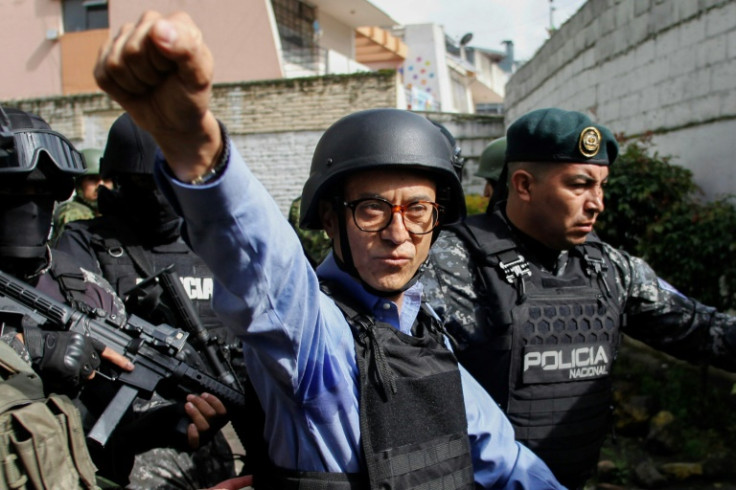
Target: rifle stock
pixel 153 349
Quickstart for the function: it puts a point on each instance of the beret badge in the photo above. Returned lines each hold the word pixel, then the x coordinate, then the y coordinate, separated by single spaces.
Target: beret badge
pixel 590 142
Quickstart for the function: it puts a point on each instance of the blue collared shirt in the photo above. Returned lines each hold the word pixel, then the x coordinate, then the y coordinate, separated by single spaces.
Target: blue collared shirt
pixel 298 347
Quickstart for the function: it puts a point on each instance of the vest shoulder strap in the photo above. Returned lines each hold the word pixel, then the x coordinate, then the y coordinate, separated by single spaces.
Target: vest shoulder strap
pixel 70 278
pixel 491 246
pixel 485 237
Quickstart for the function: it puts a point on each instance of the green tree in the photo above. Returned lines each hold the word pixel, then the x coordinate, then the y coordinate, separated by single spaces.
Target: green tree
pixel 641 188
pixel 654 210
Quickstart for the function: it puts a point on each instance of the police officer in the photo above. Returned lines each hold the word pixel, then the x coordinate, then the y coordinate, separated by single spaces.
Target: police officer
pixel 538 303
pixel 38 167
pixel 138 234
pixel 83 204
pixel 492 160
pixel 136 237
pixel 357 385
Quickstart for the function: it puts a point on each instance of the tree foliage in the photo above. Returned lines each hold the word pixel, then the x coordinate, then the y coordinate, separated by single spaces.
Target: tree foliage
pixel 654 210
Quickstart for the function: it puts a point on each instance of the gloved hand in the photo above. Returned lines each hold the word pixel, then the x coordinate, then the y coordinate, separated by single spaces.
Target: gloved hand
pixel 63 359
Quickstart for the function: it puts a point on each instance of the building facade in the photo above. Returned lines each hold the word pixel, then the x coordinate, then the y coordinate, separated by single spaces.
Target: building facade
pixel 55 42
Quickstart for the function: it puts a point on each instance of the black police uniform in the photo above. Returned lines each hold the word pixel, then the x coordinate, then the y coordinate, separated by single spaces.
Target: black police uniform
pixel 136 237
pixel 116 252
pixel 109 246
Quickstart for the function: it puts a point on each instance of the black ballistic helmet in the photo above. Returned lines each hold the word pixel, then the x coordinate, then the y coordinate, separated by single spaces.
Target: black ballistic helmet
pixel 382 138
pixel 30 150
pixel 129 150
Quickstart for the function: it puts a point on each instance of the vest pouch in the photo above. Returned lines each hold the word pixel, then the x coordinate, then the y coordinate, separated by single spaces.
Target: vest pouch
pixel 563 350
pixel 40 443
pixel 11 475
pixel 69 417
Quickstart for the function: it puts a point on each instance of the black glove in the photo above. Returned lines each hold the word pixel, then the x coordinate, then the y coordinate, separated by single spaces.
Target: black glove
pixel 63 359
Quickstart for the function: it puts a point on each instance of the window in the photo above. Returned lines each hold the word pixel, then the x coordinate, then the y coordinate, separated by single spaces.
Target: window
pixel 296 21
pixel 83 15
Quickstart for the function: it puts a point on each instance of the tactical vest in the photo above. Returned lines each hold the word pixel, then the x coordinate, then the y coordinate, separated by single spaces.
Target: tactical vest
pixel 412 413
pixel 41 439
pixel 548 347
pixel 124 263
pixel 66 275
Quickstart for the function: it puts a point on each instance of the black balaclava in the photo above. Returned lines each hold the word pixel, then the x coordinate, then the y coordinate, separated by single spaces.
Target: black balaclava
pixel 25 221
pixel 144 209
pixel 128 159
pixel 26 207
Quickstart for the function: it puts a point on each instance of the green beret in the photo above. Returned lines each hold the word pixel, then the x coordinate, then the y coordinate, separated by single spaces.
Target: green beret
pixel 554 135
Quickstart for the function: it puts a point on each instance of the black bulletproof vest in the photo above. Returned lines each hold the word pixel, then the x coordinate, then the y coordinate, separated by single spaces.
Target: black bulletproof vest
pixel 548 345
pixel 124 262
pixel 66 276
pixel 412 412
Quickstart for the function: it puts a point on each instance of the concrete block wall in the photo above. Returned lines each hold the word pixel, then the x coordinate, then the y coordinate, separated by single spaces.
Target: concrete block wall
pixel 275 124
pixel 472 132
pixel 640 66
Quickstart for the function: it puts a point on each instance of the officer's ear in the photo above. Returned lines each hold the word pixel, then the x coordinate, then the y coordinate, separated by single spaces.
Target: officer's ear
pixel 328 217
pixel 520 183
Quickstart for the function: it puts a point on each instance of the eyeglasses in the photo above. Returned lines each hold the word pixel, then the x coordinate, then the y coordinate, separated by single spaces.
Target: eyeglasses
pixel 375 214
pixel 20 149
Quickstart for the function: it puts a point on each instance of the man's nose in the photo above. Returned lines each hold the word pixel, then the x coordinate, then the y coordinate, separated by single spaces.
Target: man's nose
pixel 396 230
pixel 595 203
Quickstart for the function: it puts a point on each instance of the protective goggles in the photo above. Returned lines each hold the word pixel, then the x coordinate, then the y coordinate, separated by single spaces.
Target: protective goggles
pixel 21 149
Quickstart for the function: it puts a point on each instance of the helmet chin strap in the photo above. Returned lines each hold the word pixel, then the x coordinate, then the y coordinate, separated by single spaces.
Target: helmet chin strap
pixel 348 265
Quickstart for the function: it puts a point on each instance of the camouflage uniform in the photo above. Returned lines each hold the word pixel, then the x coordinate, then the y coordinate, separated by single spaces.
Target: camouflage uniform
pixel 74 210
pixel 656 312
pixel 316 243
pixel 651 310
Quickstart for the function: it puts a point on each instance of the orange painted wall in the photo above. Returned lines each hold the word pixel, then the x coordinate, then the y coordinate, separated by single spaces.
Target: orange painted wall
pixel 241 33
pixel 79 52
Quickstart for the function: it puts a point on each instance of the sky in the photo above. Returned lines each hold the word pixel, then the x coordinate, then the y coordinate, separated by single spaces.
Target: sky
pixel 525 22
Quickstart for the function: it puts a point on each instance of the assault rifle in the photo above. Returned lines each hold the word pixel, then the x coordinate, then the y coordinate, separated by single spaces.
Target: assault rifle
pixel 153 349
pixel 185 316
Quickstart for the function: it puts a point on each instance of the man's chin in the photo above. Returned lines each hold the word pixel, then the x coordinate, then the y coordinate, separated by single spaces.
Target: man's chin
pixel 575 240
pixel 388 285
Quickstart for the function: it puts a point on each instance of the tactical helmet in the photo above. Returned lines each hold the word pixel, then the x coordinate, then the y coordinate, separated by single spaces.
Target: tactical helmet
pixel 129 149
pixel 27 142
pixel 492 160
pixel 382 138
pixel 92 158
pixel 30 152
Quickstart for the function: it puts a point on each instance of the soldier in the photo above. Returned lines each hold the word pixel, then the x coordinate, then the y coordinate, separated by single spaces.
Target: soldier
pixel 38 171
pixel 38 167
pixel 492 160
pixel 538 303
pixel 136 237
pixel 83 204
